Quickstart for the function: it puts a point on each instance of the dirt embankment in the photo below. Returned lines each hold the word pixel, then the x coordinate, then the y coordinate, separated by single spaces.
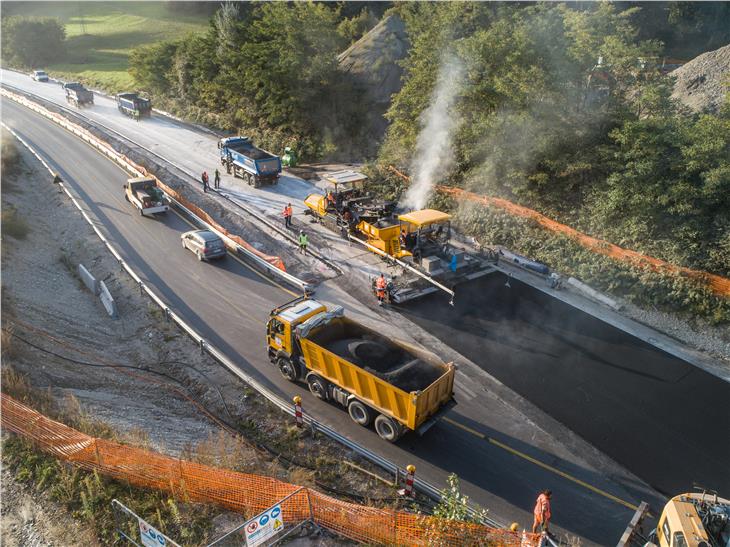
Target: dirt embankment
pixel 704 82
pixel 138 374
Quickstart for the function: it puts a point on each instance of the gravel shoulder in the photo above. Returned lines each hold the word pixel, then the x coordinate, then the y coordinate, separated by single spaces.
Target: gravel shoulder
pixel 149 402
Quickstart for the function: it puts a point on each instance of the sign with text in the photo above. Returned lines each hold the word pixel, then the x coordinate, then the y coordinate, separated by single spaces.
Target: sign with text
pixel 264 526
pixel 149 536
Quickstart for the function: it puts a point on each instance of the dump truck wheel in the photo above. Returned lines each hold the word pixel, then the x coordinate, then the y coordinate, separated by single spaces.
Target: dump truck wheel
pixel 288 369
pixel 317 386
pixel 360 413
pixel 387 428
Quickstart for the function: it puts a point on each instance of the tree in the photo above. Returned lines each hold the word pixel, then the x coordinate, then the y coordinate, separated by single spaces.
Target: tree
pixel 32 42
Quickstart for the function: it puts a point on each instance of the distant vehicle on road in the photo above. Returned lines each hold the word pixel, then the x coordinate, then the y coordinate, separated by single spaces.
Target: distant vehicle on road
pixel 204 243
pixel 144 194
pixel 77 94
pixel 244 160
pixel 39 75
pixel 134 106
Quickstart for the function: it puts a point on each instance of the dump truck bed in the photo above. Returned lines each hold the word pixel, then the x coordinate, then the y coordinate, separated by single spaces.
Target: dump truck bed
pixel 397 379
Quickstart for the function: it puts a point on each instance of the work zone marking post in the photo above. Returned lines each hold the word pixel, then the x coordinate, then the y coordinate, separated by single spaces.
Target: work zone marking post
pixel 409 491
pixel 298 415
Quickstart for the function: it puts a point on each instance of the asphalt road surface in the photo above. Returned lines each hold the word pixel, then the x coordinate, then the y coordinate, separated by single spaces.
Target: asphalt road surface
pixel 229 305
pixel 665 420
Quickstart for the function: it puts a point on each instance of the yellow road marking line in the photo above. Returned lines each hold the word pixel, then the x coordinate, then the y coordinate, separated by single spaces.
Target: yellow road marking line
pixel 540 464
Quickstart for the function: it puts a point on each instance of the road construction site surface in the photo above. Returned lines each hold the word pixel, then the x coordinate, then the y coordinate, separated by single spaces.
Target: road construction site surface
pixel 663 419
pixel 490 444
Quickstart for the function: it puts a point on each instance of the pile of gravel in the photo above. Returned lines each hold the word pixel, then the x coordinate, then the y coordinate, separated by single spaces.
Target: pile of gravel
pixel 703 82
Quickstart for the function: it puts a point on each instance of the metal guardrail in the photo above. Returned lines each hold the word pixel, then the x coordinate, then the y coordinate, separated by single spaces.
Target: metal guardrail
pixel 424 487
pixel 121 160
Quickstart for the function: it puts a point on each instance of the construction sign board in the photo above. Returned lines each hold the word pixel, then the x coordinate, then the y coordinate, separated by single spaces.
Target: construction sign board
pixel 149 536
pixel 264 526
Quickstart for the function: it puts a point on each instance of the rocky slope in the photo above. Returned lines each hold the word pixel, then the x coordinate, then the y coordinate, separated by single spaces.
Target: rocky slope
pixel 703 83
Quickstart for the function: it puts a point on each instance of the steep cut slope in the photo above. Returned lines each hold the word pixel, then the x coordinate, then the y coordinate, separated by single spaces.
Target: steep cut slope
pixel 703 82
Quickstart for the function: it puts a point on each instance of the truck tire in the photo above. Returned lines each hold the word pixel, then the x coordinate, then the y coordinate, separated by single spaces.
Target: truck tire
pixel 317 386
pixel 200 256
pixel 360 413
pixel 183 244
pixel 288 369
pixel 387 428
pixel 126 197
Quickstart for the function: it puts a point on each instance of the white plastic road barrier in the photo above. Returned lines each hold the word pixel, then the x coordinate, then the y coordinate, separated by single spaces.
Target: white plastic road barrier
pixel 106 299
pixel 89 280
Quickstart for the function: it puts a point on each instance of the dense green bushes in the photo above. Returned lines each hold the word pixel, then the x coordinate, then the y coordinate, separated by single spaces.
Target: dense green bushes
pixel 267 70
pixel 32 42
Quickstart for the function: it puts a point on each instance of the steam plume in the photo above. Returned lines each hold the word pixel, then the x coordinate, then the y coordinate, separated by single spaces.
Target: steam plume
pixel 434 153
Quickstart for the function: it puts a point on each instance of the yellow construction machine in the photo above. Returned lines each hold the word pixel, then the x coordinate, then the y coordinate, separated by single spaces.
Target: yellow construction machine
pixel 418 241
pixel 698 519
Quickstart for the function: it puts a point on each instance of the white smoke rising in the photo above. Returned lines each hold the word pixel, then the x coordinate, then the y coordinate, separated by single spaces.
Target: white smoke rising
pixel 434 151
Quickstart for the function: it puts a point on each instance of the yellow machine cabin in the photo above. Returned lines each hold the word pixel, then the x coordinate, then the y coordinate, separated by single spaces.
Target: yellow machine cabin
pixel 693 520
pixel 397 386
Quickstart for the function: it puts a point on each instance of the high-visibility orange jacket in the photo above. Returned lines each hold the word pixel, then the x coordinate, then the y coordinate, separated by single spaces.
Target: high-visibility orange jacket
pixel 287 211
pixel 542 506
pixel 380 284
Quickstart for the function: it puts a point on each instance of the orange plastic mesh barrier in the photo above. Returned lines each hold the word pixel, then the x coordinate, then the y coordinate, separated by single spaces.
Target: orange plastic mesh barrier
pixel 242 492
pixel 125 161
pixel 717 284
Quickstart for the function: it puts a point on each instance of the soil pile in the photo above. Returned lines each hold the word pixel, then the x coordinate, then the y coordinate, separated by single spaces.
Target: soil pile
pixel 373 62
pixel 703 83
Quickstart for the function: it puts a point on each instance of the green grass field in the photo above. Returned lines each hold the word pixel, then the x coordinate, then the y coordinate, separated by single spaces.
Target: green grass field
pixel 100 35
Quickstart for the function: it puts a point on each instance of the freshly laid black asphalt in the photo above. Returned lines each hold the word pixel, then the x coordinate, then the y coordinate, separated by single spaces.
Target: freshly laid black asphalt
pixel 590 377
pixel 663 419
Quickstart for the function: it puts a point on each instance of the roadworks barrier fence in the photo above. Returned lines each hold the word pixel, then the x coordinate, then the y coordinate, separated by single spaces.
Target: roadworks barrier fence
pixel 242 492
pixel 139 170
pixel 717 284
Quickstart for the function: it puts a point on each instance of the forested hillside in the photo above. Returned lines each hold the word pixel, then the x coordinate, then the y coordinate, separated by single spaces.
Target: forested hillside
pixel 563 108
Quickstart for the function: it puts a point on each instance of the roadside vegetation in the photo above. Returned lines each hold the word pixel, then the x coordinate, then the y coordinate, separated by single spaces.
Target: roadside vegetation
pixel 98 36
pixel 563 108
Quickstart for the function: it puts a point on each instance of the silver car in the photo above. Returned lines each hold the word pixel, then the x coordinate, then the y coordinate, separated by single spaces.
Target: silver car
pixel 204 243
pixel 39 76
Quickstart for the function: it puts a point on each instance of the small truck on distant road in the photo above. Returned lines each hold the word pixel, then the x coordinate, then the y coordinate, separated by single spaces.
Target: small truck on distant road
pixel 144 194
pixel 379 380
pixel 244 160
pixel 77 94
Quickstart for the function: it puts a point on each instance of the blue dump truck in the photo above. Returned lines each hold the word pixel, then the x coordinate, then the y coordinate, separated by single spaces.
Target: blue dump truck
pixel 241 158
pixel 134 106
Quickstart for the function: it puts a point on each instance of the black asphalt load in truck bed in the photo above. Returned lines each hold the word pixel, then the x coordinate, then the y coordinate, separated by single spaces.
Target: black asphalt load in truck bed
pixel 378 355
pixel 250 150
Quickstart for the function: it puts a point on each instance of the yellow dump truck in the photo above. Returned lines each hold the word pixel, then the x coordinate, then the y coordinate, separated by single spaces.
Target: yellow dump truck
pixel 390 383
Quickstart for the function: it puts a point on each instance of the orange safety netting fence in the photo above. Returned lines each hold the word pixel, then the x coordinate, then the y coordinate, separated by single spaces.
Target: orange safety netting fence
pixel 243 492
pixel 717 284
pixel 120 158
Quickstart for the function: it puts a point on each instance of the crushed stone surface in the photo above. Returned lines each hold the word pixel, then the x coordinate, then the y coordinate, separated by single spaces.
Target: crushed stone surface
pixel 702 83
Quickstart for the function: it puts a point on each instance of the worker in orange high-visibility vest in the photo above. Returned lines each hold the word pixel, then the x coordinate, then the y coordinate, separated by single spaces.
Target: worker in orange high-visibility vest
pixel 287 215
pixel 380 286
pixel 542 512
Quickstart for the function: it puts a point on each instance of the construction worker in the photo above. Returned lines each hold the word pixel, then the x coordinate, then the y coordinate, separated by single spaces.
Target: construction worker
pixel 217 178
pixel 303 242
pixel 542 512
pixel 380 285
pixel 403 238
pixel 330 199
pixel 204 179
pixel 287 215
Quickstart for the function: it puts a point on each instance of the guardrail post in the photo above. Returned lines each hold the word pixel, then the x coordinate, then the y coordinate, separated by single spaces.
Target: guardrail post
pixel 141 288
pixel 202 346
pixel 167 314
pixel 298 415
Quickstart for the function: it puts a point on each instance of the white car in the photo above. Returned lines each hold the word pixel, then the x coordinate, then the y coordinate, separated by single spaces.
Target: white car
pixel 39 75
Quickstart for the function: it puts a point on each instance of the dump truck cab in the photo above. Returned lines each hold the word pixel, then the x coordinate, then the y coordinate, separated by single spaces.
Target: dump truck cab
pixel 282 322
